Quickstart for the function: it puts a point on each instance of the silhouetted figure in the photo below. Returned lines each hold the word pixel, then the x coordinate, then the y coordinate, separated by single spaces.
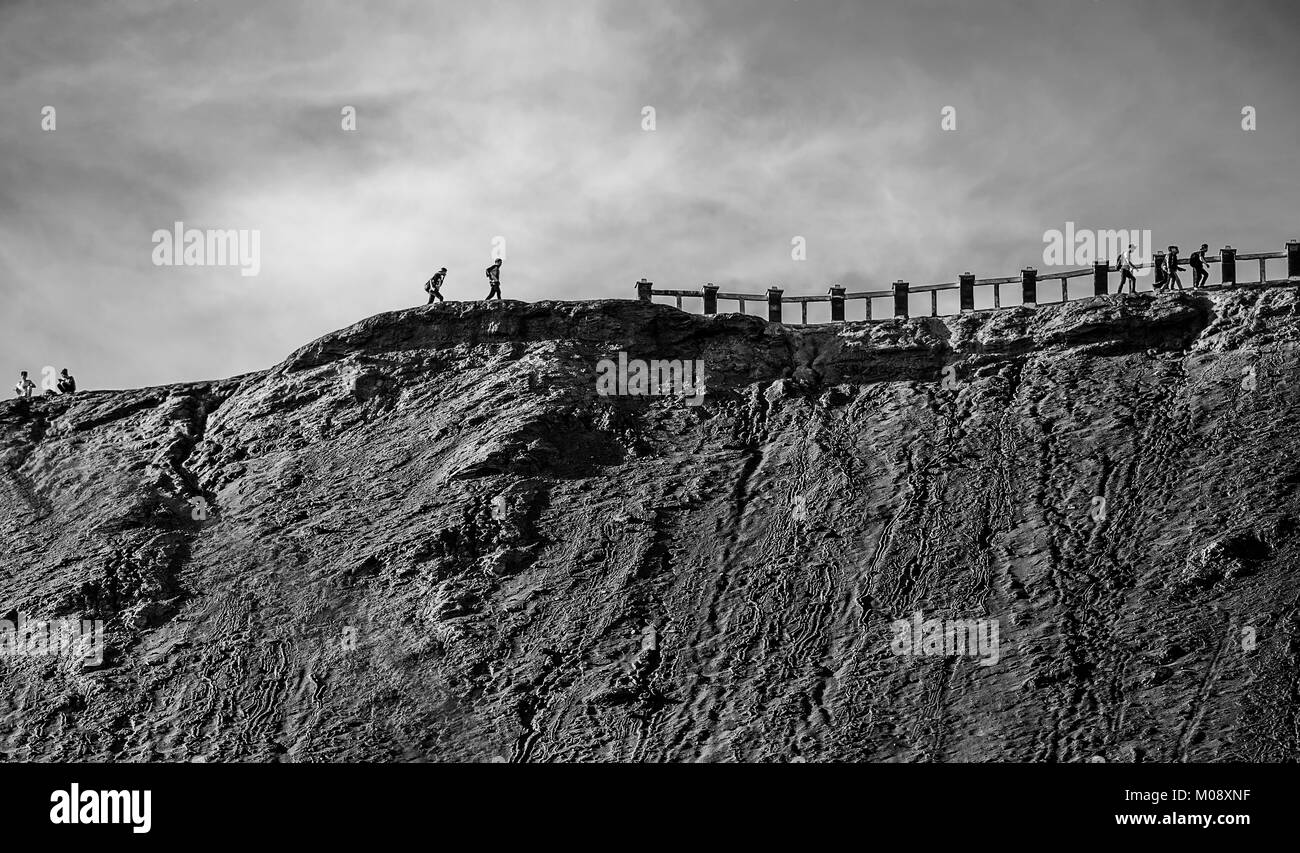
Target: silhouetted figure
pixel 25 386
pixel 66 384
pixel 1174 268
pixel 433 286
pixel 1197 261
pixel 1162 273
pixel 494 279
pixel 1126 267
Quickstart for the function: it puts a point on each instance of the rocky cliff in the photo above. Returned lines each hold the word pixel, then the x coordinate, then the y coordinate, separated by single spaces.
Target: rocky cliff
pixel 428 537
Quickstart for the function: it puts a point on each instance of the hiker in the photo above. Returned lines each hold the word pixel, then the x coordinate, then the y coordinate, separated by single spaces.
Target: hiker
pixel 1199 274
pixel 1174 269
pixel 433 286
pixel 1162 273
pixel 25 386
pixel 494 279
pixel 1126 267
pixel 66 384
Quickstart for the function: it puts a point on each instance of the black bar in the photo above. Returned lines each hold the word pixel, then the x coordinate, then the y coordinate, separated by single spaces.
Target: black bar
pixel 966 282
pixel 837 303
pixel 900 299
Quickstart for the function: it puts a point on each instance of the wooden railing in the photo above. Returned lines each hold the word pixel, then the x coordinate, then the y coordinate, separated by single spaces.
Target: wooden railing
pixel 901 291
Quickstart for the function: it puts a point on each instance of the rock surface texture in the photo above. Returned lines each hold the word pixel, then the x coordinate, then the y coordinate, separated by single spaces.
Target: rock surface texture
pixel 427 537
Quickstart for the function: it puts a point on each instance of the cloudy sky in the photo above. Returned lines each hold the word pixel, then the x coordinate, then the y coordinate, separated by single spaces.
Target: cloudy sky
pixel 525 120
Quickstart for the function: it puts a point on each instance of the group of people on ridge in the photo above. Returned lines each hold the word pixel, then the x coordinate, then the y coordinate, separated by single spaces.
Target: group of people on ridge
pixel 1167 269
pixel 433 286
pixel 26 387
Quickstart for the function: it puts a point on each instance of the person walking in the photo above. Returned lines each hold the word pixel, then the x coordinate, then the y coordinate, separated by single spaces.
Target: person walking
pixel 433 286
pixel 1126 268
pixel 494 279
pixel 1197 261
pixel 1174 268
pixel 25 386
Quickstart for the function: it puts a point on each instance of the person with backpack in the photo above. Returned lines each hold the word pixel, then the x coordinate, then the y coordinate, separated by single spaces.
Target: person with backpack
pixel 1199 274
pixel 1174 268
pixel 25 386
pixel 494 279
pixel 433 286
pixel 66 384
pixel 1126 267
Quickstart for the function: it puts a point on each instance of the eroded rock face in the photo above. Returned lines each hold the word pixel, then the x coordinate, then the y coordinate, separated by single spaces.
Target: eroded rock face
pixel 426 537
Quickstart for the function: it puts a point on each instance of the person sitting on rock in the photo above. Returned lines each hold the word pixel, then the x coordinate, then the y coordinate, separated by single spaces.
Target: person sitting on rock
pixel 494 279
pixel 433 286
pixel 25 386
pixel 66 384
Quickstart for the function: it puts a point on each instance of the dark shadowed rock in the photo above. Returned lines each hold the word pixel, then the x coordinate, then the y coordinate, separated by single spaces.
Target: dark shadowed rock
pixel 427 537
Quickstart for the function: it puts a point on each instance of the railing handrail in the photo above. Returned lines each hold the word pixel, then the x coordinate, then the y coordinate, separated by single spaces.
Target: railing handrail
pixel 1029 277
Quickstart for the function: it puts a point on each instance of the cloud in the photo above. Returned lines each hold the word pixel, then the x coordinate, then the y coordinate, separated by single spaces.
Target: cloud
pixel 523 120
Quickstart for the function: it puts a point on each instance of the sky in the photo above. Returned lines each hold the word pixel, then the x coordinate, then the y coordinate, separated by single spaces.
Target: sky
pixel 520 128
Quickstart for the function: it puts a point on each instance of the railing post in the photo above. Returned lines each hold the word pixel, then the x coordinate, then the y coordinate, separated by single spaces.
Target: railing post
pixel 774 304
pixel 837 303
pixel 1029 286
pixel 868 301
pixel 1228 266
pixel 900 298
pixel 1162 273
pixel 966 286
pixel 710 298
pixel 1100 285
pixel 1293 259
pixel 643 288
